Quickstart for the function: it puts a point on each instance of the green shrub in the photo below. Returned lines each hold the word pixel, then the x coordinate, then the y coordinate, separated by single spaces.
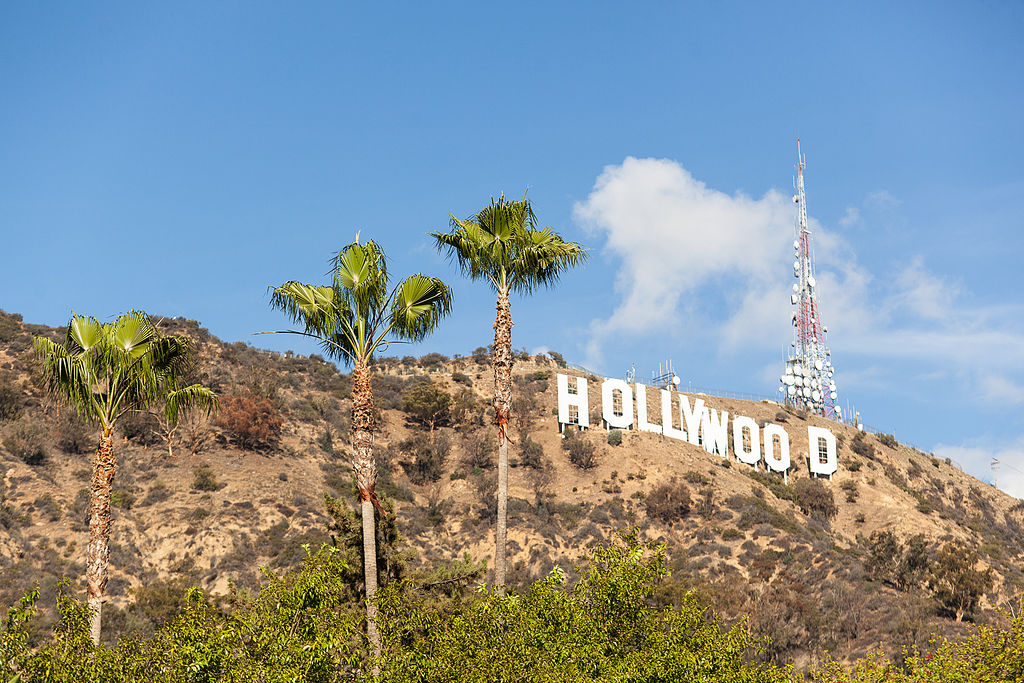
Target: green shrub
pixel 427 404
pixel 428 456
pixel 25 440
pixel 204 479
pixel 887 440
pixel 120 498
pixel 615 437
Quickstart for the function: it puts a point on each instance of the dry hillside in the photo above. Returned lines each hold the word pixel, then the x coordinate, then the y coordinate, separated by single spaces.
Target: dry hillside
pixel 251 494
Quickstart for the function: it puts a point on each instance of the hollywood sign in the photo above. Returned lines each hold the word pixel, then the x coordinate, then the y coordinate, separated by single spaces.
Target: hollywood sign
pixel 698 424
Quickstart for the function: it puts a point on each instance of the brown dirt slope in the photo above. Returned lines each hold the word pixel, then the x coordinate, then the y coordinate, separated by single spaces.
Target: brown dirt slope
pixel 211 516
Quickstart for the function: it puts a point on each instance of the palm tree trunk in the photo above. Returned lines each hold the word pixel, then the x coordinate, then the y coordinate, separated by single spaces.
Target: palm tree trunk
pixel 502 359
pixel 366 479
pixel 103 468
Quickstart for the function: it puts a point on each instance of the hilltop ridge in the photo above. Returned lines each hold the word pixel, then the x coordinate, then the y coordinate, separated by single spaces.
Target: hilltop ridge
pixel 797 561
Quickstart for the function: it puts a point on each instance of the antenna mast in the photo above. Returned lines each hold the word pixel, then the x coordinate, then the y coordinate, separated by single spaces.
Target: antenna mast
pixel 808 380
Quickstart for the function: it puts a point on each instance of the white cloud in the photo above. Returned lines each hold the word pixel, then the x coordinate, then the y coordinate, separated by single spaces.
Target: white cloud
pixel 676 240
pixel 977 458
pixel 851 218
pixel 672 234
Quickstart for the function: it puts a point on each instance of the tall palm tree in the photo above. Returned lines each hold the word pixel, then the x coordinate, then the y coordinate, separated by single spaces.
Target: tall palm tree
pixel 354 317
pixel 502 246
pixel 104 371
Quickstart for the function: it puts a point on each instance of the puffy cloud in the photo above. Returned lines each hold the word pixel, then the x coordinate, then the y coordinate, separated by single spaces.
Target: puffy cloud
pixel 679 242
pixel 672 234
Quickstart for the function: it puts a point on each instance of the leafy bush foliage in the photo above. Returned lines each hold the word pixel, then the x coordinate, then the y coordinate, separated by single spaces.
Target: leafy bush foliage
pixel 11 400
pixel 957 585
pixel 253 424
pixel 428 457
pixel 204 479
pixel 669 502
pixel 887 440
pixel 427 404
pixel 581 452
pixel 615 437
pixel 531 453
pixel 26 440
pixel 814 499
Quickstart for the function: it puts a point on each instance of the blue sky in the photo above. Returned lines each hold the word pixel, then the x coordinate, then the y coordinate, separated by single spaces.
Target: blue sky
pixel 182 157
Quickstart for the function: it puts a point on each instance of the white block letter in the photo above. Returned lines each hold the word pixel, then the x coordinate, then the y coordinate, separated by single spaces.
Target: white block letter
pixel 614 420
pixel 821 444
pixel 641 411
pixel 695 418
pixel 751 455
pixel 716 438
pixel 578 400
pixel 667 425
pixel 778 462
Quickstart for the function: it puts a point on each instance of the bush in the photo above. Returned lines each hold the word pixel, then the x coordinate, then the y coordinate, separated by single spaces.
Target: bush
pixel 253 424
pixel 531 453
pixel 462 378
pixel 11 400
pixel 615 437
pixel 814 499
pixel 122 499
pixel 669 502
pixel 479 449
pixel 204 479
pixel 861 447
pixel 887 440
pixel 427 404
pixel 429 456
pixel 72 435
pixel 581 452
pixel 157 493
pixel 25 440
pixel 142 428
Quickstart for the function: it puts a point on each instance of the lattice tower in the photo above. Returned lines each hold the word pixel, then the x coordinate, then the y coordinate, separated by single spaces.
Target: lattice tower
pixel 808 380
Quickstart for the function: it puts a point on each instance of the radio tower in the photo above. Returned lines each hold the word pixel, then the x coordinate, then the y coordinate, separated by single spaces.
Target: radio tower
pixel 808 380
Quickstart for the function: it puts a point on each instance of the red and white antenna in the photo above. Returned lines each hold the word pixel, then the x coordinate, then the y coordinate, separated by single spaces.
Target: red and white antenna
pixel 808 381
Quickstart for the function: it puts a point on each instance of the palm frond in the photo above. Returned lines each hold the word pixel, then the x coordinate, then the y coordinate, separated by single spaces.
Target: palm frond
pixel 191 397
pixel 361 277
pixel 419 304
pixel 502 244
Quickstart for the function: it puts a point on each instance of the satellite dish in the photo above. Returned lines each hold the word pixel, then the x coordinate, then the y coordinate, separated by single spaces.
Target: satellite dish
pixel 796 289
pixel 817 365
pixel 839 411
pixel 807 392
pixel 824 328
pixel 796 265
pixel 675 380
pixel 796 244
pixel 811 281
pixel 789 369
pixel 793 298
pixel 815 395
pixel 833 395
pixel 791 390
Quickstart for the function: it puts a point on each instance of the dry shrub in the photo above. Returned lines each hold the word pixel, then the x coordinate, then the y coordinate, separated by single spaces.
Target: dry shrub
pixel 252 424
pixel 669 502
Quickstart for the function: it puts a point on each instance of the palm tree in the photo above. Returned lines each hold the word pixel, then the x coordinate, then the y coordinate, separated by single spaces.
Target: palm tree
pixel 502 245
pixel 354 317
pixel 104 371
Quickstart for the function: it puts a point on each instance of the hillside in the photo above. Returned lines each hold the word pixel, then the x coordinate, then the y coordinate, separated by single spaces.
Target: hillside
pixel 249 496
